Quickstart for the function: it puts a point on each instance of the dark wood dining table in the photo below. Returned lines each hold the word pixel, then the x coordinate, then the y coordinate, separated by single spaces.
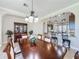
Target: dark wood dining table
pixel 42 50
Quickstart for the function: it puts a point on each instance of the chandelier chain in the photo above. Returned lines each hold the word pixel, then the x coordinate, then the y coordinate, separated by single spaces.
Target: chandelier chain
pixel 32 5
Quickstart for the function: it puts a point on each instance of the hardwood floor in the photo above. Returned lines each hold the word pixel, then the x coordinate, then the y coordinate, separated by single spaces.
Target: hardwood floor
pixel 42 50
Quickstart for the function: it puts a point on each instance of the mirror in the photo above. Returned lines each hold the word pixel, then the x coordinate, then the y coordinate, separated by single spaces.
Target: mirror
pixel 72 24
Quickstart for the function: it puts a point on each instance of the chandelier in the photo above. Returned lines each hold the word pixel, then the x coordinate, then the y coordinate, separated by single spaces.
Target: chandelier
pixel 32 17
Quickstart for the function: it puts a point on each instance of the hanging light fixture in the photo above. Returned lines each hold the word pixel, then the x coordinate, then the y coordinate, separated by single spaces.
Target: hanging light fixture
pixel 32 17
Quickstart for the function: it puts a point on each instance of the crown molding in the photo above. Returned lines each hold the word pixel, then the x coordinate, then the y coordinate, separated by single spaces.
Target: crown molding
pixel 11 12
pixel 59 11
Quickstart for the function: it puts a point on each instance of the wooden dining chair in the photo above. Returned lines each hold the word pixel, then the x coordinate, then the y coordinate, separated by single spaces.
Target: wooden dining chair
pixel 16 47
pixel 39 36
pixel 54 40
pixel 76 55
pixel 12 55
pixel 47 40
pixel 15 56
pixel 7 51
pixel 61 51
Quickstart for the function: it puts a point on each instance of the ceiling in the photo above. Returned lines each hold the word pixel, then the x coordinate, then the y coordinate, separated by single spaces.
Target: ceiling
pixel 41 7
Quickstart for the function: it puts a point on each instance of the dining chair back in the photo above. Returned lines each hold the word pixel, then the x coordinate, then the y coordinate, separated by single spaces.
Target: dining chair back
pixel 76 55
pixel 61 51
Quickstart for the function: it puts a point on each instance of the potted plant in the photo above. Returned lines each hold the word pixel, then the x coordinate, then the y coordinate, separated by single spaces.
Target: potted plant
pixel 31 32
pixel 9 33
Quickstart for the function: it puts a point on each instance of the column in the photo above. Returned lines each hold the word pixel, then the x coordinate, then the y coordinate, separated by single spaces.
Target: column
pixel 0 30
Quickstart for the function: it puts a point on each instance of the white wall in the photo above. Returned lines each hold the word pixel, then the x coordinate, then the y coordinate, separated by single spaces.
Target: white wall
pixel 8 24
pixel 36 27
pixel 1 15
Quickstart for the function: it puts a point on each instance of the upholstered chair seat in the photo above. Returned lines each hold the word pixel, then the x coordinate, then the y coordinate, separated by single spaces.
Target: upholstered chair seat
pixel 47 39
pixel 39 36
pixel 24 36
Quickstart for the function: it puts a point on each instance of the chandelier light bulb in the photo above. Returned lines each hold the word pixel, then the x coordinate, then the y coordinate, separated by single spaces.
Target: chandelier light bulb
pixel 36 20
pixel 31 19
pixel 26 19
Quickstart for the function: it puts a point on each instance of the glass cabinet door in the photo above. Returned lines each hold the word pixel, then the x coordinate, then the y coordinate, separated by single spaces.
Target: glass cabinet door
pixel 20 27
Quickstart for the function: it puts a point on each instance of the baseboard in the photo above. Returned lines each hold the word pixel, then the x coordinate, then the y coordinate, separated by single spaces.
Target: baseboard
pixel 74 48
